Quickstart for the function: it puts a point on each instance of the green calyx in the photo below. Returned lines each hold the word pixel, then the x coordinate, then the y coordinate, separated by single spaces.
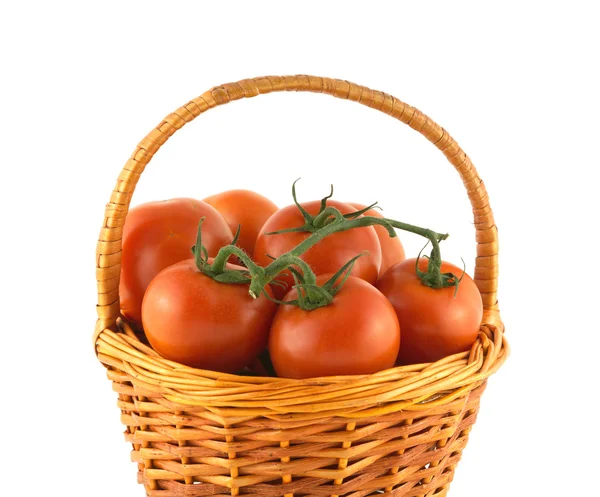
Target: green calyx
pixel 326 215
pixel 433 277
pixel 218 270
pixel 312 296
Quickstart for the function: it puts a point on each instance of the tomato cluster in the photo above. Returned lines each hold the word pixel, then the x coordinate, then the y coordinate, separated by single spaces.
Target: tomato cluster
pixel 315 289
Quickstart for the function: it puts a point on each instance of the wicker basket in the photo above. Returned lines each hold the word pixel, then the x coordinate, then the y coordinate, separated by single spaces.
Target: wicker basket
pixel 399 432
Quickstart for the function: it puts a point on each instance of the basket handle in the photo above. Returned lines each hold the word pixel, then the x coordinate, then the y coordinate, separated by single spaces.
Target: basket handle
pixel 108 253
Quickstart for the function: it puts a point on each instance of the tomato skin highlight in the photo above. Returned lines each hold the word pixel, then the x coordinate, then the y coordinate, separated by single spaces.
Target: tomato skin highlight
pixel 246 208
pixel 327 256
pixel 434 323
pixel 392 250
pixel 159 234
pixel 194 320
pixel 357 334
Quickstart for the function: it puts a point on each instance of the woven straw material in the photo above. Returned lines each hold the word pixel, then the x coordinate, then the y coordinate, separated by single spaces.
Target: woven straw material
pixel 399 432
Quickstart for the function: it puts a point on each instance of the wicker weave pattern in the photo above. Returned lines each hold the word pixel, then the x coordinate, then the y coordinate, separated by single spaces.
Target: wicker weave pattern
pixel 198 433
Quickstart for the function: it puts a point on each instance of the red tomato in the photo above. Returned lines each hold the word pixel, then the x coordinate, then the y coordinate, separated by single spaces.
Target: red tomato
pixel 357 334
pixel 392 250
pixel 158 234
pixel 434 322
pixel 327 256
pixel 192 319
pixel 246 209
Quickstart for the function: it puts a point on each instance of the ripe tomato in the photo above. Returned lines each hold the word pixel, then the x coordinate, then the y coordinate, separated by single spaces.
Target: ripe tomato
pixel 327 256
pixel 158 234
pixel 434 322
pixel 392 250
pixel 246 209
pixel 357 334
pixel 192 319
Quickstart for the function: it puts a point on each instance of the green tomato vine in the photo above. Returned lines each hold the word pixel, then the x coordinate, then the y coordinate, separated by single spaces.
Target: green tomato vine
pixel 328 221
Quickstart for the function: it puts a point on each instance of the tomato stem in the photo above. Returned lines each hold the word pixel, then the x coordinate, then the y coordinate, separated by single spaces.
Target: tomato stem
pixel 342 224
pixel 220 261
pixel 334 222
pixel 328 221
pixel 325 217
pixel 260 277
pixel 218 269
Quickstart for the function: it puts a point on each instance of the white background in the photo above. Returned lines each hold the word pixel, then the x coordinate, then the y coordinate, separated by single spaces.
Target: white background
pixel 515 83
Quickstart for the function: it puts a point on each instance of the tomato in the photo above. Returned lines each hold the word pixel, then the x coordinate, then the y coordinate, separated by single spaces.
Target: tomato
pixel 327 256
pixel 357 334
pixel 246 209
pixel 192 319
pixel 434 322
pixel 392 250
pixel 158 234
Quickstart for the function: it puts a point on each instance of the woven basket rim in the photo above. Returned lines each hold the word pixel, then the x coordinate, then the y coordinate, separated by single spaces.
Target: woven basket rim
pixel 413 387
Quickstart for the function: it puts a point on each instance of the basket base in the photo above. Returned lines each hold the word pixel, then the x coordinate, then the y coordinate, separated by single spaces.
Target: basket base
pixel 183 452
